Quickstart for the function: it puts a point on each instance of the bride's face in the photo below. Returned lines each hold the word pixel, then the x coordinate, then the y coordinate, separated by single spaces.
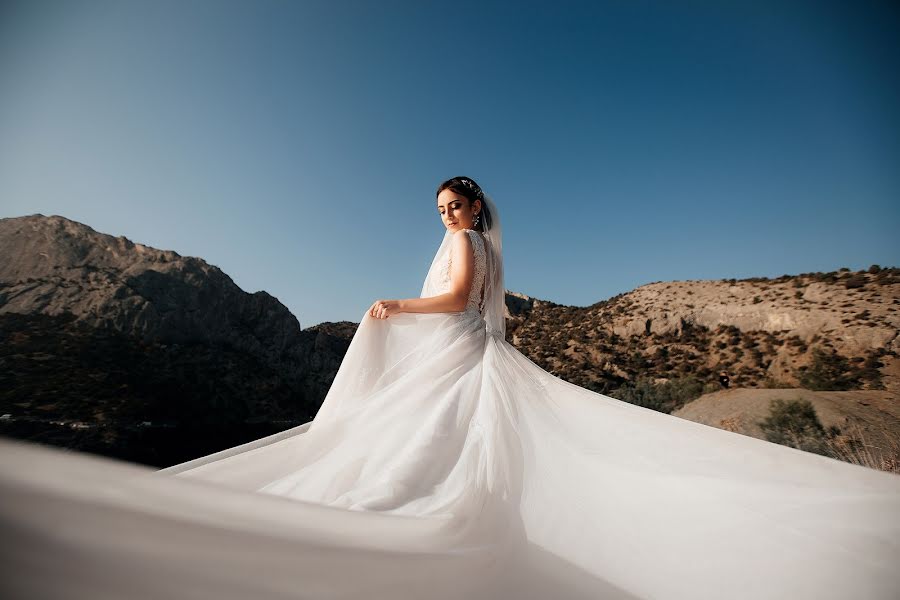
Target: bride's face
pixel 455 210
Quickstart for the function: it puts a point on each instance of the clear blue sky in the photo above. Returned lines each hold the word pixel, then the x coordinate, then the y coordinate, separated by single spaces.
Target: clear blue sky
pixel 297 145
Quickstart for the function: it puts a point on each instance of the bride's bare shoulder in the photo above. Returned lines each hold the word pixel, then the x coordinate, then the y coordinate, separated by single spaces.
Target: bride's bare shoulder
pixel 462 241
pixel 467 233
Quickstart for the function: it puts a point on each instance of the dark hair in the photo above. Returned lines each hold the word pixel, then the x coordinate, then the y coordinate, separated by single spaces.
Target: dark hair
pixel 466 186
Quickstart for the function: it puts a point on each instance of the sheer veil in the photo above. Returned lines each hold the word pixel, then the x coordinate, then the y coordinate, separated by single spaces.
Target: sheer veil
pixel 494 290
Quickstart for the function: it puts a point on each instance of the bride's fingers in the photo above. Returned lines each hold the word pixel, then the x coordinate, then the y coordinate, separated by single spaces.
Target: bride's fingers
pixel 379 310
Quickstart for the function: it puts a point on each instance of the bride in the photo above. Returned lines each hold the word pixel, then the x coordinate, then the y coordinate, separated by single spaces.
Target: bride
pixel 444 463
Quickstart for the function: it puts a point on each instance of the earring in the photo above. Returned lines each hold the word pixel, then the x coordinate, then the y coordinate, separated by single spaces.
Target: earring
pixel 477 216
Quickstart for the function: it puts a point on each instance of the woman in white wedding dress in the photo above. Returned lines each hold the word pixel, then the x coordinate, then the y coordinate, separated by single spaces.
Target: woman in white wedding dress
pixel 444 463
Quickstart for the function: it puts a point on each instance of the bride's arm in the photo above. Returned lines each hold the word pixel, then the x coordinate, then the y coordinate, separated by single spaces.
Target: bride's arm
pixel 462 271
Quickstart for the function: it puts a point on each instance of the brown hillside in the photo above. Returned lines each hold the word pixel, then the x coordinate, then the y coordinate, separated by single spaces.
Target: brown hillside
pixel 763 332
pixel 874 413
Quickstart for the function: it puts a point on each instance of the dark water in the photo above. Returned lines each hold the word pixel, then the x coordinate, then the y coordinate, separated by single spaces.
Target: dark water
pixel 157 446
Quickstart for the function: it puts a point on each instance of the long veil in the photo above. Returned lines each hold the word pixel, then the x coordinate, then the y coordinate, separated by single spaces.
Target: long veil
pixel 444 463
pixel 495 290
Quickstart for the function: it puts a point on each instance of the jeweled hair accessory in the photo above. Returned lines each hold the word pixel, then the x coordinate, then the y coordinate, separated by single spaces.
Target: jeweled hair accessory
pixel 474 186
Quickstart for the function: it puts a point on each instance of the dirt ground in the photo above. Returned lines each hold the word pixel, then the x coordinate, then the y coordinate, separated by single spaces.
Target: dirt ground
pixel 875 412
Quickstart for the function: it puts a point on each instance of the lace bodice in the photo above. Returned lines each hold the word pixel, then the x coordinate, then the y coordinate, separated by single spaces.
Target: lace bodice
pixel 475 295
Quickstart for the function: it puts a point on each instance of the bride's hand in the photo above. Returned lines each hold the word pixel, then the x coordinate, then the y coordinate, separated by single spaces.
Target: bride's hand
pixel 382 309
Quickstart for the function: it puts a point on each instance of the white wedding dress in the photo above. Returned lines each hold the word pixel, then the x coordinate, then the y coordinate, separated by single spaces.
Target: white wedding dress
pixel 446 464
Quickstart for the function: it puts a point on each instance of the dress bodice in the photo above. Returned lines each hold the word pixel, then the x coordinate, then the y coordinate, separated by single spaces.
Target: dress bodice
pixel 477 291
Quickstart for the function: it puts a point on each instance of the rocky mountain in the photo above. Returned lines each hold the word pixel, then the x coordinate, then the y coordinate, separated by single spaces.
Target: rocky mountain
pixel 121 349
pixel 118 348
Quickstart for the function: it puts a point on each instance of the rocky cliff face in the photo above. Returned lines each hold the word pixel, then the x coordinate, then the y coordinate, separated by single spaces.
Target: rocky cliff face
pixel 858 317
pixel 762 331
pixel 101 331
